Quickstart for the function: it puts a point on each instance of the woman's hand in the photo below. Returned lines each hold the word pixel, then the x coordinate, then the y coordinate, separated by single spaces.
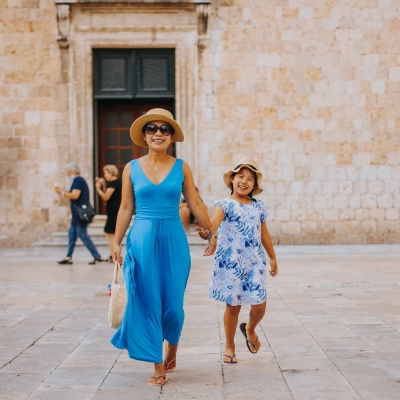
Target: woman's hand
pixel 100 184
pixel 203 233
pixel 210 249
pixel 117 256
pixel 274 267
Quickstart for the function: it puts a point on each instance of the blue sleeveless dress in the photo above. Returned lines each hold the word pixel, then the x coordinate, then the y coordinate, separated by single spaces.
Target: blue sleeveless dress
pixel 156 267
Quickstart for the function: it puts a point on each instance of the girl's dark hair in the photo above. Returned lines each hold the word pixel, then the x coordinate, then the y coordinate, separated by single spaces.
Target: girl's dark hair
pixel 254 176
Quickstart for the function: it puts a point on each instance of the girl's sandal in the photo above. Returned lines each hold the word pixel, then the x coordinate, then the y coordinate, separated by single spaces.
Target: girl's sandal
pixel 248 342
pixel 155 380
pixel 233 356
pixel 167 364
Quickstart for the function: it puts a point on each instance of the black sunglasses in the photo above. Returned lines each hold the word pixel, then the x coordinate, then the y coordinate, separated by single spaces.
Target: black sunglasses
pixel 151 129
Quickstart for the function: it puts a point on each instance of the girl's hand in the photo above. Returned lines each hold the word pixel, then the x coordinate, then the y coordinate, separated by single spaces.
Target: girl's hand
pixel 274 267
pixel 116 256
pixel 210 249
pixel 202 232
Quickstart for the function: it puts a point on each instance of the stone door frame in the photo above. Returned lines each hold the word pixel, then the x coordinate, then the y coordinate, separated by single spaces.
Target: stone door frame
pixel 82 122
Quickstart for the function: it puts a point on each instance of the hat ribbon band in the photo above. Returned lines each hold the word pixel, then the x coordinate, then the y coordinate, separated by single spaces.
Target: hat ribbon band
pixel 246 165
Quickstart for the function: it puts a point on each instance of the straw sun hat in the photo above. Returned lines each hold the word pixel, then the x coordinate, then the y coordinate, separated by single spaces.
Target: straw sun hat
pixel 156 114
pixel 245 163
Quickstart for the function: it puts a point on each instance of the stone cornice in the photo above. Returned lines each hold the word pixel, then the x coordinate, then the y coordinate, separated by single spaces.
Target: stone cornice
pixel 133 1
pixel 63 9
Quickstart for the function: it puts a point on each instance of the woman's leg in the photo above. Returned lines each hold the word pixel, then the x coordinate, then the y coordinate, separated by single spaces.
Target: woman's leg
pixel 170 357
pixel 231 316
pixel 257 313
pixel 110 241
pixel 159 376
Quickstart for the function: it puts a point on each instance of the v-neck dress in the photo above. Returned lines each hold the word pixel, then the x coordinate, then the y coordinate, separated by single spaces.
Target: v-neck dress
pixel 156 267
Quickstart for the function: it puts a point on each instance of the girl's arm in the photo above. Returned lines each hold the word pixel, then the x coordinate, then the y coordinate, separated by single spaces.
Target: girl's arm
pixel 269 248
pixel 198 208
pixel 216 220
pixel 125 212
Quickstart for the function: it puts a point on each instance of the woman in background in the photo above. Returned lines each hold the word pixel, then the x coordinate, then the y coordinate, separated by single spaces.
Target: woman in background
pixel 109 189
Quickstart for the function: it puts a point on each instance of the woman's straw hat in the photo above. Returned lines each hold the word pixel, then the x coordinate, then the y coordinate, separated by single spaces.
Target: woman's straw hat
pixel 156 114
pixel 245 163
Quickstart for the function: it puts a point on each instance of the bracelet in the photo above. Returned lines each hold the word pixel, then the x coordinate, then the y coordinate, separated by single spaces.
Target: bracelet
pixel 62 194
pixel 210 236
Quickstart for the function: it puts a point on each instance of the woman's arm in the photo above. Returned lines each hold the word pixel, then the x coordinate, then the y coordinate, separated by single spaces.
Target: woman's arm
pixel 105 195
pixel 269 248
pixel 198 208
pixel 125 212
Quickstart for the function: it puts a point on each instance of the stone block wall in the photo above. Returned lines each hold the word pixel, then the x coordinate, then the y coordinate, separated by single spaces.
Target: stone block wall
pixel 34 134
pixel 310 89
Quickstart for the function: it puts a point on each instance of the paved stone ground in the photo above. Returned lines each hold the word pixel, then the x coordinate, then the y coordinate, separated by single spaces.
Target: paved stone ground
pixel 332 331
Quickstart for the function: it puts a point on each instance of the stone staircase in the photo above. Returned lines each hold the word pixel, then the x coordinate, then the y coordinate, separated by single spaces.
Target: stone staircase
pixel 96 232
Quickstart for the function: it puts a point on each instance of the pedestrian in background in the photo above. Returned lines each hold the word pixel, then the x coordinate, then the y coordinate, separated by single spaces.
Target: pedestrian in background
pixel 239 274
pixel 109 189
pixel 186 215
pixel 157 262
pixel 78 194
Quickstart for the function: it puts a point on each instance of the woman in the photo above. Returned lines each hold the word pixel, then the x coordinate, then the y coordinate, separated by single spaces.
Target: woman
pixel 157 263
pixel 109 189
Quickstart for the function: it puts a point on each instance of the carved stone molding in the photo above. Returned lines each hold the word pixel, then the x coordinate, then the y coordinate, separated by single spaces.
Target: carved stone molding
pixel 63 24
pixel 203 14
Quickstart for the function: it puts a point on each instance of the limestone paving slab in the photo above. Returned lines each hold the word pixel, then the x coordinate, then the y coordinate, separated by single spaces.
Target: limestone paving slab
pixel 332 330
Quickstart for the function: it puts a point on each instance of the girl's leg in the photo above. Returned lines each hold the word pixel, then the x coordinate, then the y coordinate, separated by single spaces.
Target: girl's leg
pixel 257 313
pixel 231 316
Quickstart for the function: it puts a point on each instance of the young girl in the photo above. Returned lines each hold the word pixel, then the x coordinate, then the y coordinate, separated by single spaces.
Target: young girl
pixel 239 274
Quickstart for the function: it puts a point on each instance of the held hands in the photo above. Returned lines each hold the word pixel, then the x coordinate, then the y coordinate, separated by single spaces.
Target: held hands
pixel 203 233
pixel 212 244
pixel 274 267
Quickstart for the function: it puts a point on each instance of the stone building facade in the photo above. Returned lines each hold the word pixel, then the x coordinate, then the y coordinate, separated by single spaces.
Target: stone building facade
pixel 308 88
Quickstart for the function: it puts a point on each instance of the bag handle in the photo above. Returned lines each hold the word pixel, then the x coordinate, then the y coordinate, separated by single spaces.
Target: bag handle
pixel 118 267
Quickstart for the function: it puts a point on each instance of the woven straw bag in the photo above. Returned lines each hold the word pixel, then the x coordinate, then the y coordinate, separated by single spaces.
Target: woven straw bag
pixel 117 305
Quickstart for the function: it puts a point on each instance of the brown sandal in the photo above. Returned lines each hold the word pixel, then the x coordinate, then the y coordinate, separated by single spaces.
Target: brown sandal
pixel 231 357
pixel 248 342
pixel 167 363
pixel 157 378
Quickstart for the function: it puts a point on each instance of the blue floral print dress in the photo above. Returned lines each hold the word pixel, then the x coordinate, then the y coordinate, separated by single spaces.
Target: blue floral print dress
pixel 239 274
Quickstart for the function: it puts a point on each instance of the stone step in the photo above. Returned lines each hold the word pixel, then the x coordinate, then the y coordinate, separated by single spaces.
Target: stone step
pixel 60 239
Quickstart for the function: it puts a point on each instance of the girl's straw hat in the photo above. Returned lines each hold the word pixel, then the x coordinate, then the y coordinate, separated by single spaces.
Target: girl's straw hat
pixel 156 114
pixel 245 163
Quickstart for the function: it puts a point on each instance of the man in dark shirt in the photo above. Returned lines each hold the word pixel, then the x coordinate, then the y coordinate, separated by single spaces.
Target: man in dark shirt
pixel 78 194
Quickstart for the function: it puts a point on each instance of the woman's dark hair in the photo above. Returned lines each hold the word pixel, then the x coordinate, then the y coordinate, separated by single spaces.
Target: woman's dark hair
pixel 254 176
